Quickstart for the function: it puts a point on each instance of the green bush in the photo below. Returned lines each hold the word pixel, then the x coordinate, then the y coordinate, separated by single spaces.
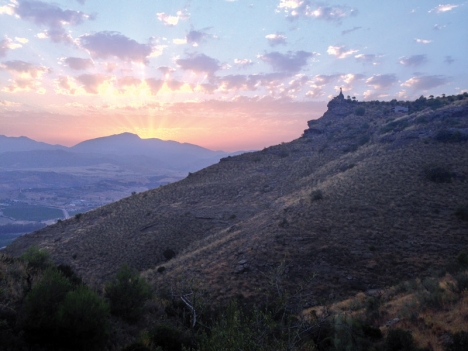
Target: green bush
pixel 82 319
pixel 316 195
pixel 432 296
pixel 462 281
pixel 438 174
pixel 168 338
pixel 399 340
pixel 462 213
pixel 462 258
pixel 447 136
pixel 42 304
pixel 360 111
pixel 127 294
pixel 459 342
pixel 36 258
pixel 169 254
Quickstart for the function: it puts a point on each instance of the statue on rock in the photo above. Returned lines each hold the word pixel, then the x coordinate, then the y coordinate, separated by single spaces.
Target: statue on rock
pixel 340 95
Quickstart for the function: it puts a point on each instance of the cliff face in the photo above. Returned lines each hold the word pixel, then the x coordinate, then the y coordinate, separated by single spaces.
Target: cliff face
pixel 351 205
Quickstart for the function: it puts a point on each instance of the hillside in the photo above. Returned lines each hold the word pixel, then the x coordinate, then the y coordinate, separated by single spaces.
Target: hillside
pixel 365 198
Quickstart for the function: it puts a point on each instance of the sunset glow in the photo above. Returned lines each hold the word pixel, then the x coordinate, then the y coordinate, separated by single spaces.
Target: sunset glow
pixel 228 75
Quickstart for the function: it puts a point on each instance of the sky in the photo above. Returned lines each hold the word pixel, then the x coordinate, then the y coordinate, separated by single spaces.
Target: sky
pixel 223 74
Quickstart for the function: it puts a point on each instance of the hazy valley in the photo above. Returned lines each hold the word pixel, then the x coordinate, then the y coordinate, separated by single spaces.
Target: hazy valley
pixel 41 183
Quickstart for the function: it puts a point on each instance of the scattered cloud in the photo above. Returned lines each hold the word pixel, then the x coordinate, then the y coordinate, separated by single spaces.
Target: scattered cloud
pixel 171 21
pixel 50 16
pixel 422 41
pixel 92 82
pixel 8 44
pixel 381 81
pixel 351 78
pixel 449 60
pixel 324 79
pixel 340 52
pixel 368 58
pixel 295 9
pixel 199 63
pixel 23 69
pixel 344 32
pixel 424 83
pixel 195 37
pixel 7 10
pixel 413 61
pixel 182 41
pixel 115 45
pixel 154 84
pixel 276 39
pixel 78 64
pixel 6 103
pixel 438 27
pixel 443 8
pixel 243 63
pixel 166 70
pixel 290 62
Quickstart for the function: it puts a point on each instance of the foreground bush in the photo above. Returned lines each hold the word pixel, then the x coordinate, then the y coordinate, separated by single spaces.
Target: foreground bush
pixel 127 294
pixel 36 258
pixel 42 304
pixel 82 319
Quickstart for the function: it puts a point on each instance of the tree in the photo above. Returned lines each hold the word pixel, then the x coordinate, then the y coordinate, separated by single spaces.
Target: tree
pixel 127 294
pixel 83 319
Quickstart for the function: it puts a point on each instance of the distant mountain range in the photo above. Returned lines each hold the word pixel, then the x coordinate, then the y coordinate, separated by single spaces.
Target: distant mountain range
pixel 126 150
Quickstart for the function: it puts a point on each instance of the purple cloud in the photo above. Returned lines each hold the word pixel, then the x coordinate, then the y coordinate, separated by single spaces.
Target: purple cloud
pixel 78 64
pixel 154 84
pixel 23 67
pixel 413 61
pixel 295 9
pixel 368 58
pixel 50 16
pixel 344 32
pixel 91 82
pixel 290 62
pixel 276 39
pixel 195 37
pixel 4 47
pixel 381 81
pixel 113 44
pixel 449 60
pixel 425 82
pixel 199 63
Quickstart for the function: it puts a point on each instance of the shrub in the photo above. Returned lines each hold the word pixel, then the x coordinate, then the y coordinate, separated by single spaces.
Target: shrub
pixel 36 258
pixel 360 111
pixel 462 281
pixel 83 319
pixel 438 174
pixel 399 340
pixel 127 294
pixel 462 258
pixel 169 254
pixel 68 273
pixel 448 136
pixel 168 338
pixel 316 195
pixel 42 304
pixel 462 213
pixel 432 296
pixel 136 346
pixel 459 342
